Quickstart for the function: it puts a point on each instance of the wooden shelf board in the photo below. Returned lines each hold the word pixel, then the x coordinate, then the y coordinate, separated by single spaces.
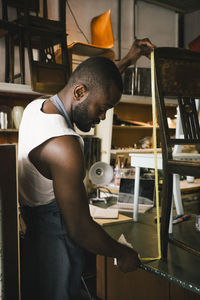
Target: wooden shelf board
pixel 134 150
pixel 134 99
pixel 186 186
pixel 121 219
pixel 136 127
pixel 132 127
pixel 16 88
pixel 12 130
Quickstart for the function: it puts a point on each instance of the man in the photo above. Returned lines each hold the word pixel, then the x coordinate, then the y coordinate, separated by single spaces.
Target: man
pixel 51 171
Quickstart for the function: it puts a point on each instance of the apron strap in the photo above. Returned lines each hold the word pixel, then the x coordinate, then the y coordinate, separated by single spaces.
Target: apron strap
pixel 58 103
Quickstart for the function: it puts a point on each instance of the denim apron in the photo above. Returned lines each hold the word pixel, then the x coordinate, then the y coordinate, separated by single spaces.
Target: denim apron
pixel 51 263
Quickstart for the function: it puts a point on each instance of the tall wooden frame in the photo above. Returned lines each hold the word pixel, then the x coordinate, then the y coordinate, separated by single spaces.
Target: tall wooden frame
pixel 10 223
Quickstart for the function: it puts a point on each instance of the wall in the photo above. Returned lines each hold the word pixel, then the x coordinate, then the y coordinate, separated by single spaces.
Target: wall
pixel 191 27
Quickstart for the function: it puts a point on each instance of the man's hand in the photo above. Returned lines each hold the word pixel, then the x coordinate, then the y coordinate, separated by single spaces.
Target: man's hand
pixel 129 262
pixel 139 48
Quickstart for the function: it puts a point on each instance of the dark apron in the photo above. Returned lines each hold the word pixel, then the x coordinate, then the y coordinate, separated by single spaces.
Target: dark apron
pixel 51 263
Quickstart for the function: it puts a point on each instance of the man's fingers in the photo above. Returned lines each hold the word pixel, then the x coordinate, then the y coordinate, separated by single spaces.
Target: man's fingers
pixel 146 47
pixel 147 44
pixel 147 41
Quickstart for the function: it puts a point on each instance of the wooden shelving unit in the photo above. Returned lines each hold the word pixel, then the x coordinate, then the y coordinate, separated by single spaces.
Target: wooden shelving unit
pixel 11 95
pixel 130 107
pixel 14 95
pixel 136 108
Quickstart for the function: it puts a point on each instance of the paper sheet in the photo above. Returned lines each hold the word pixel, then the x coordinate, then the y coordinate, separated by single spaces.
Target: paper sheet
pixel 123 241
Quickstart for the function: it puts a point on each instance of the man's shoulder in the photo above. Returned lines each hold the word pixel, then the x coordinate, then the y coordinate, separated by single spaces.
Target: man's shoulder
pixel 63 145
pixel 59 152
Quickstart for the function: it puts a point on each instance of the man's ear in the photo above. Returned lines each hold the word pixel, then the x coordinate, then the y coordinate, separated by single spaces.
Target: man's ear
pixel 80 92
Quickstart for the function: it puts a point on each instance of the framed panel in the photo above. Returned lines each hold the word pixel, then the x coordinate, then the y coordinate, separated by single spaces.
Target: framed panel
pixel 9 224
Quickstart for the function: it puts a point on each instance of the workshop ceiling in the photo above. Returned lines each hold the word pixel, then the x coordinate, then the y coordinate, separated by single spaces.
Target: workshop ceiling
pixel 181 6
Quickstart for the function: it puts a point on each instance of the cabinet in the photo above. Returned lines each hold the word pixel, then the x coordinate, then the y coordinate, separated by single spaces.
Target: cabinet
pixel 14 95
pixel 112 284
pixel 10 95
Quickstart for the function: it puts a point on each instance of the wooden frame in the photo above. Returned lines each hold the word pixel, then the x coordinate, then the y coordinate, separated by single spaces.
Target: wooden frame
pixel 10 222
pixel 177 75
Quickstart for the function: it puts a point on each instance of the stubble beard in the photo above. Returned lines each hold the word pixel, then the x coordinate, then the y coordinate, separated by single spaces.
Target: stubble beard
pixel 81 116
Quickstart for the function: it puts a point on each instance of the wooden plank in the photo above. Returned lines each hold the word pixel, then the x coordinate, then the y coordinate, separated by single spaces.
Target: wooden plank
pixel 187 186
pixel 121 219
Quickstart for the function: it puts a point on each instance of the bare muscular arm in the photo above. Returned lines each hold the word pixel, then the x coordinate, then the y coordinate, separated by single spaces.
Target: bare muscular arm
pixel 62 158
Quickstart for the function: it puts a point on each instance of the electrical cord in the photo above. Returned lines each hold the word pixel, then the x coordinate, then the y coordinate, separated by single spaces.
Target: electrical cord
pixel 71 11
pixel 107 190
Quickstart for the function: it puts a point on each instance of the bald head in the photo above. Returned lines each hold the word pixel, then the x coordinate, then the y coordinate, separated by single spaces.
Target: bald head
pixel 97 73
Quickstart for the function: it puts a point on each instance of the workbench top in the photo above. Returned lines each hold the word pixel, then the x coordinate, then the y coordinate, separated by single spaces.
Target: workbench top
pixel 182 267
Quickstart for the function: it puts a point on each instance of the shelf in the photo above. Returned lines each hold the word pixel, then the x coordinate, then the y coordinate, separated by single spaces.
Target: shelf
pixel 134 150
pixel 16 94
pixel 17 88
pixel 144 100
pixel 13 94
pixel 12 130
pixel 117 151
pixel 136 127
pixel 186 186
pixel 132 127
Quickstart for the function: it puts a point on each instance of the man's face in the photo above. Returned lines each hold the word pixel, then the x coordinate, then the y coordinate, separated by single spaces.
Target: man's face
pixel 93 109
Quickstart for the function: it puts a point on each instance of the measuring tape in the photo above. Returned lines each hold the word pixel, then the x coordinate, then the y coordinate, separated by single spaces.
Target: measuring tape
pixel 155 158
pixel 155 162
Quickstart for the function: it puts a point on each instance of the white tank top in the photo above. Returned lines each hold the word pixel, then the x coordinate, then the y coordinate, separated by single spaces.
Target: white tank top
pixel 37 127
